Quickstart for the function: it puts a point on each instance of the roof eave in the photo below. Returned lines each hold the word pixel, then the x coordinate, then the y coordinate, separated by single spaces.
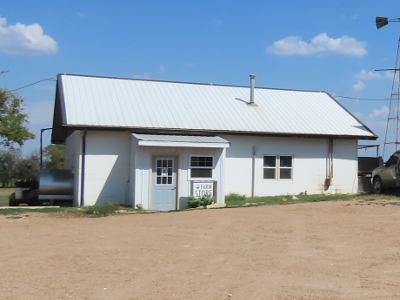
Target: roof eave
pixel 358 120
pixel 182 131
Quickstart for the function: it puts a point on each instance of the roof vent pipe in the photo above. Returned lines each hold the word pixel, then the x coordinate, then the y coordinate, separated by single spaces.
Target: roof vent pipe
pixel 252 86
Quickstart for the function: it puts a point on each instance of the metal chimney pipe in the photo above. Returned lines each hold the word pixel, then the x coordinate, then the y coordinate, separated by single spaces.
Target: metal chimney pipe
pixel 252 86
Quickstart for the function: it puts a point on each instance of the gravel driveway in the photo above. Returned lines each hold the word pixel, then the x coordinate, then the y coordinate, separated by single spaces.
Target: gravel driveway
pixel 330 250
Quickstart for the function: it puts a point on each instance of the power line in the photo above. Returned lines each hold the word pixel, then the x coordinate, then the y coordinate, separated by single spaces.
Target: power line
pixel 337 96
pixel 33 83
pixel 362 99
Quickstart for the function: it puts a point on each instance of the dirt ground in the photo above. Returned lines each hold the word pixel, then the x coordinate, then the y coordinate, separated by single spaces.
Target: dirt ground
pixel 332 250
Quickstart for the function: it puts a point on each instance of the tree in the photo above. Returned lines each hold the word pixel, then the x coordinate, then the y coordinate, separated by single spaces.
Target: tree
pixel 14 167
pixel 27 168
pixel 13 120
pixel 53 157
pixel 8 160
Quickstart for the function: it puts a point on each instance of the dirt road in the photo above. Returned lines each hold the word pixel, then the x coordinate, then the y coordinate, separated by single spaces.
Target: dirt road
pixel 334 250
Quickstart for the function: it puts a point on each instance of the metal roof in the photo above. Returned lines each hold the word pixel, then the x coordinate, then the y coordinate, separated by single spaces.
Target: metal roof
pixel 181 140
pixel 88 101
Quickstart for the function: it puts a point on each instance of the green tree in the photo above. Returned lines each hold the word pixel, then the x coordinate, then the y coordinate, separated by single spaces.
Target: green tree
pixel 8 160
pixel 27 168
pixel 53 157
pixel 13 120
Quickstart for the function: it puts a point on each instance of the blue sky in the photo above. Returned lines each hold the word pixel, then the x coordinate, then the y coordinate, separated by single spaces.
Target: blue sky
pixel 318 45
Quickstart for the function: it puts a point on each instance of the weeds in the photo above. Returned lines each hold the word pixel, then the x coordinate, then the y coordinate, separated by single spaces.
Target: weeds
pixel 235 200
pixel 100 210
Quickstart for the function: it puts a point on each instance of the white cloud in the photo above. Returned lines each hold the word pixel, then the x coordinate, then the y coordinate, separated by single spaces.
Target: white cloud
pixel 25 39
pixel 380 113
pixel 371 75
pixel 321 43
pixel 359 86
pixel 161 68
pixel 366 75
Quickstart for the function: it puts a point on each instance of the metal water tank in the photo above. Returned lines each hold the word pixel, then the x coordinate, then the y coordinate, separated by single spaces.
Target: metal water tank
pixel 57 183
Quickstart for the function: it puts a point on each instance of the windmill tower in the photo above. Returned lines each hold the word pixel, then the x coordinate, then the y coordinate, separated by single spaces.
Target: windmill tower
pixel 392 131
pixel 392 139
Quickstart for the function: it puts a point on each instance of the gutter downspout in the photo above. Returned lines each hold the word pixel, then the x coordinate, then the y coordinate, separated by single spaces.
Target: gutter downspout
pixel 82 196
pixel 41 145
pixel 253 170
pixel 329 165
pixel 331 158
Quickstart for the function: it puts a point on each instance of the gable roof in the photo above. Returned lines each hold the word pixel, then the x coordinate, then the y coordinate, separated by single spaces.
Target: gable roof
pixel 171 107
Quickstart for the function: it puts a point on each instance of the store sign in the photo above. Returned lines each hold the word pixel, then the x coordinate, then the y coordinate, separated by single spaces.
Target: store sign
pixel 201 189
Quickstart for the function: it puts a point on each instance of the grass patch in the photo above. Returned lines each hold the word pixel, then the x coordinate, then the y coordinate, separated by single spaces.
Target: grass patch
pixel 24 210
pixel 4 194
pixel 236 200
pixel 89 211
pixel 100 210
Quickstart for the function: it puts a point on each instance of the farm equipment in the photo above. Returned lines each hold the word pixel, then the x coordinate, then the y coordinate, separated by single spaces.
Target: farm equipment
pixel 54 187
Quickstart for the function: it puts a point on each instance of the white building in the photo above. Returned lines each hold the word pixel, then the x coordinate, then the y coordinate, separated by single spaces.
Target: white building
pixel 155 143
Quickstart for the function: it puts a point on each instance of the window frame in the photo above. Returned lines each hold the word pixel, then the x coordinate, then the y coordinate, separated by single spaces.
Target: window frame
pixel 278 166
pixel 274 168
pixel 286 168
pixel 198 167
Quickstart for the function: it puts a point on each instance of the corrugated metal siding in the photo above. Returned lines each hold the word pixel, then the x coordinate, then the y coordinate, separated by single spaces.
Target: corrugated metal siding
pixel 98 101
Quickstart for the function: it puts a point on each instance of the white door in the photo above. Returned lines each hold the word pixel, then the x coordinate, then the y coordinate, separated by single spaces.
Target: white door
pixel 164 183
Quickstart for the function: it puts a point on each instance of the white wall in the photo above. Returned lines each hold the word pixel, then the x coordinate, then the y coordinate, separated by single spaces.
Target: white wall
pixel 118 170
pixel 309 165
pixel 107 163
pixel 72 157
pixel 141 174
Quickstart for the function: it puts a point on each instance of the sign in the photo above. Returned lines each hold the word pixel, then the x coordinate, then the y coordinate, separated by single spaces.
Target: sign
pixel 201 189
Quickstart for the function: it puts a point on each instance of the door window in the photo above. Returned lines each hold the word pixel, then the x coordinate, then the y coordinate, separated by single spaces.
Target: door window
pixel 164 171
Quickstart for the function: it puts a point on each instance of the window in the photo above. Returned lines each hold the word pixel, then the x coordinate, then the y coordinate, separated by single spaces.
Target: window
pixel 269 167
pixel 276 166
pixel 285 167
pixel 164 171
pixel 201 167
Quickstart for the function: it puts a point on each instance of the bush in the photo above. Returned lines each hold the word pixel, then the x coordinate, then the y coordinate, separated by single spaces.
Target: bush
pixel 101 210
pixel 206 200
pixel 202 201
pixel 193 202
